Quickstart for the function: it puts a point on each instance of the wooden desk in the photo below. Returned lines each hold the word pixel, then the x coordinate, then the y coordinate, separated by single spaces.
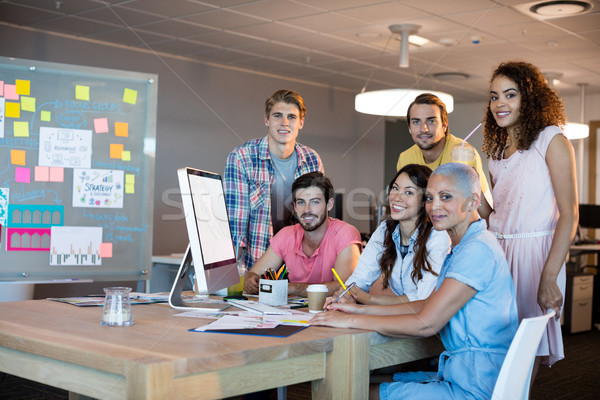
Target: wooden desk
pixel 157 358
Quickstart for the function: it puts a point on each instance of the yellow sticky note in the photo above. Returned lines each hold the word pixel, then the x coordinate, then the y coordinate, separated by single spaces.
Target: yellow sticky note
pixel 12 110
pixel 21 128
pixel 126 155
pixel 22 87
pixel 28 103
pixel 82 92
pixel 17 157
pixel 121 129
pixel 46 116
pixel 129 96
pixel 129 189
pixel 129 179
pixel 116 151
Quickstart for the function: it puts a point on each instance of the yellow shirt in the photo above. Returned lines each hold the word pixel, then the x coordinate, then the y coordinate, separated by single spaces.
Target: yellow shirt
pixel 414 155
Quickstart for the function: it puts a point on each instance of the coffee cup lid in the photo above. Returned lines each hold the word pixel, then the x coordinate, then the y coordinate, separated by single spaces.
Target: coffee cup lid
pixel 317 288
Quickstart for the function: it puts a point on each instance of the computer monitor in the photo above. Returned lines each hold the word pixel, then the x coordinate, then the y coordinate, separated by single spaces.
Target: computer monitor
pixel 210 241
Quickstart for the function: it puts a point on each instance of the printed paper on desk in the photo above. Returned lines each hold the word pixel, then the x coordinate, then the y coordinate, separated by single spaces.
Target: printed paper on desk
pixel 69 148
pixel 75 245
pixel 98 188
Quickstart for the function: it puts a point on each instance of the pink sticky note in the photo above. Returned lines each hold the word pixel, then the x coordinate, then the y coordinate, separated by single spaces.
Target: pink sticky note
pixel 1 88
pixel 57 174
pixel 101 125
pixel 42 174
pixel 10 92
pixel 106 250
pixel 22 175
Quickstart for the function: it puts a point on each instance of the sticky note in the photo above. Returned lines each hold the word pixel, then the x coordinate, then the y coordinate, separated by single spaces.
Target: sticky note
pixel 126 155
pixel 1 88
pixel 22 87
pixel 57 174
pixel 116 151
pixel 12 110
pixel 101 125
pixel 17 157
pixel 129 96
pixel 46 116
pixel 129 179
pixel 10 92
pixel 121 129
pixel 28 103
pixel 41 174
pixel 21 128
pixel 82 92
pixel 129 189
pixel 106 250
pixel 22 175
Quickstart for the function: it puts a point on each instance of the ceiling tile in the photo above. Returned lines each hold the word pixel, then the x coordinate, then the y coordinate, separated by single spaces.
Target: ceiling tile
pixel 325 22
pixel 16 14
pixel 174 27
pixel 167 8
pixel 223 19
pixel 578 24
pixel 73 25
pixel 119 16
pixel 276 31
pixel 65 6
pixel 276 10
pixel 384 14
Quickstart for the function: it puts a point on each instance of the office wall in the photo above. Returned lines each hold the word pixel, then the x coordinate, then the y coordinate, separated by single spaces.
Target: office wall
pixel 205 111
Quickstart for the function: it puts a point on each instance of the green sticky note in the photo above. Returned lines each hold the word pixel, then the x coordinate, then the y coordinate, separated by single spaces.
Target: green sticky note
pixel 129 96
pixel 126 155
pixel 21 128
pixel 129 179
pixel 46 116
pixel 82 92
pixel 129 189
pixel 28 103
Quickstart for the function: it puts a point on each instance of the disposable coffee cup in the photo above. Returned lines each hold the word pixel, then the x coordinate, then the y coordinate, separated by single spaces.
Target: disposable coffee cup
pixel 317 294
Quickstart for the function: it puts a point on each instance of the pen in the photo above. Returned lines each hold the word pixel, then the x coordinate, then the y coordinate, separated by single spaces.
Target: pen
pixel 344 292
pixel 338 278
pixel 299 306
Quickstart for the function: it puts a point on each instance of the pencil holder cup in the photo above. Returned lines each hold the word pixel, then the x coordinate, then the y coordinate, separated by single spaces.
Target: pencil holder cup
pixel 273 292
pixel 117 307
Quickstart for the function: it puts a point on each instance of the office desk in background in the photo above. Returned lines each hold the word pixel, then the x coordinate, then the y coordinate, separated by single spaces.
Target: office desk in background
pixel 157 358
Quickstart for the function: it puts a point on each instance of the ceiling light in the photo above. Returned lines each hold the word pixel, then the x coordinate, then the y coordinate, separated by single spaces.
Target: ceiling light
pixel 561 8
pixel 394 102
pixel 404 30
pixel 575 130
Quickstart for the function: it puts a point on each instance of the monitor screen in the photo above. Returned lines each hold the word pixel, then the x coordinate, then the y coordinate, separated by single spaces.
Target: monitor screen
pixel 211 245
pixel 589 216
pixel 212 222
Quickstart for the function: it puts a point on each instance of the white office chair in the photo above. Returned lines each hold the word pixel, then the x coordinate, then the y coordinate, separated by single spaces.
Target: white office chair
pixel 515 374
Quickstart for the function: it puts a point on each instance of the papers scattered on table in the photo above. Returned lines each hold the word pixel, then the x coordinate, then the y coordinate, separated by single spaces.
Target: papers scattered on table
pixel 238 322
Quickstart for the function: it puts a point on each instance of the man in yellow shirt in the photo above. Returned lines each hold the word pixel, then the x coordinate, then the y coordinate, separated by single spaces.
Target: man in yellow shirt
pixel 427 120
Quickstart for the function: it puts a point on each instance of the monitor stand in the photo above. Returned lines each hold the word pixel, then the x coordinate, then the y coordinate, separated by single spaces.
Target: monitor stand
pixel 175 299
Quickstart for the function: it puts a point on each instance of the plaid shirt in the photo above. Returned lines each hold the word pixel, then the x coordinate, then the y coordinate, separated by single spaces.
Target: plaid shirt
pixel 248 180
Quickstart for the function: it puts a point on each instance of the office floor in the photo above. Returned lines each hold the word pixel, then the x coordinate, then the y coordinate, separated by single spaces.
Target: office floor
pixel 575 377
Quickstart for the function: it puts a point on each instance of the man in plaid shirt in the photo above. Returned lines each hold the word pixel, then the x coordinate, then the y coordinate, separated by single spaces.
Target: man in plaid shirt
pixel 259 175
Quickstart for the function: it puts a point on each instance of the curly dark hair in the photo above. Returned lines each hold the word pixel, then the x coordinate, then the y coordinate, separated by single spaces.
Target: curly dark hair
pixel 540 107
pixel 419 175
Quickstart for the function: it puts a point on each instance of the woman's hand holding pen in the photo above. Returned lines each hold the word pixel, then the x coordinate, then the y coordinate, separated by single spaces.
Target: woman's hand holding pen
pixel 336 318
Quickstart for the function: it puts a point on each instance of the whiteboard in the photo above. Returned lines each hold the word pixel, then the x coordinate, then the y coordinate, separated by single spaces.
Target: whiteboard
pixel 77 148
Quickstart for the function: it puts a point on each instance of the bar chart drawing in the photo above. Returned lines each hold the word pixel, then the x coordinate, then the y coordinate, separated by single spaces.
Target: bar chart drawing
pixel 75 245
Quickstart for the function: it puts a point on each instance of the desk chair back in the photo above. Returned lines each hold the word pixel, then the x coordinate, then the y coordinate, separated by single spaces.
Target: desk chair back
pixel 515 374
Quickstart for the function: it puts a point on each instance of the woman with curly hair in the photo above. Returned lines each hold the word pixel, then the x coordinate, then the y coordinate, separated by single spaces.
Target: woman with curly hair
pixel 404 250
pixel 532 168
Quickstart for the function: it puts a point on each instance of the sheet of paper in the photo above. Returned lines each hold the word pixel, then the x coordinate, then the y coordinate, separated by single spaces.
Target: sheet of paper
pixel 98 188
pixel 106 250
pixel 21 128
pixel 75 245
pixel 126 155
pixel 28 239
pixel 116 150
pixel 22 175
pixel 57 174
pixel 82 92
pixel 2 116
pixel 237 322
pixel 68 148
pixel 10 92
pixel 42 174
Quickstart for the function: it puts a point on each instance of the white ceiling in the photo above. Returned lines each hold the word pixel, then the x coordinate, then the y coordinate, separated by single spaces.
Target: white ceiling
pixel 341 43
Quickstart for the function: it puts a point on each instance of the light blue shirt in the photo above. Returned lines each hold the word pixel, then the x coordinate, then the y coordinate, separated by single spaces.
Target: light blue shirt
pixel 367 270
pixel 478 336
